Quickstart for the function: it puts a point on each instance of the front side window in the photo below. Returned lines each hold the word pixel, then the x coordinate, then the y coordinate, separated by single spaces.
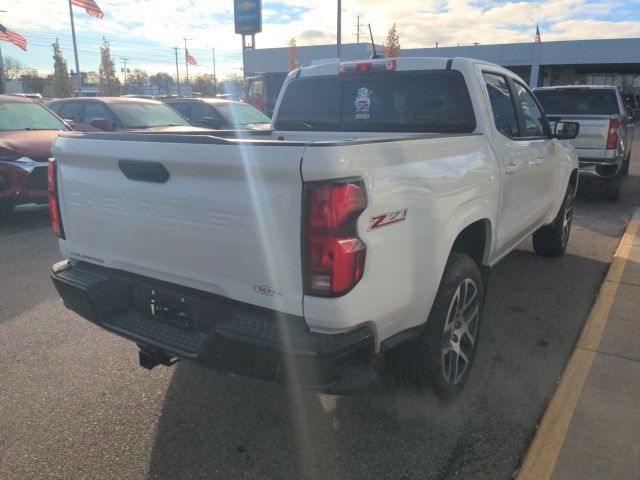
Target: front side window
pixel 533 117
pixel 69 110
pixel 502 106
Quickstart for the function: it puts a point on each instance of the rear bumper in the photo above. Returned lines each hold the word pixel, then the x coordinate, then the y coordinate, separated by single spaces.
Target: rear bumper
pixel 600 169
pixel 225 334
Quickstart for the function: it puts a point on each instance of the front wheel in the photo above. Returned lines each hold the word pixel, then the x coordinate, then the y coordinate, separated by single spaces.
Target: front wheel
pixel 552 240
pixel 6 207
pixel 443 353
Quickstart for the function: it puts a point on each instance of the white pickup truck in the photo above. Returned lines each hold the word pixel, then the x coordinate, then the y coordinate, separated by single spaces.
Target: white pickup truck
pixel 364 223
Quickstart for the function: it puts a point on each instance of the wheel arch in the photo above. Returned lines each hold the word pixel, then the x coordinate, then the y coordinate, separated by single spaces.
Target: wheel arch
pixel 475 240
pixel 573 180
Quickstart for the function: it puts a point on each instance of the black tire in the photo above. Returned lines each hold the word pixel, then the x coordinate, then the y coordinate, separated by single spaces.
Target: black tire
pixel 611 190
pixel 624 171
pixel 552 240
pixel 428 360
pixel 6 208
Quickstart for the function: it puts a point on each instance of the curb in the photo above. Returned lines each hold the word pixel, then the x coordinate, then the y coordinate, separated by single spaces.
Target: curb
pixel 541 457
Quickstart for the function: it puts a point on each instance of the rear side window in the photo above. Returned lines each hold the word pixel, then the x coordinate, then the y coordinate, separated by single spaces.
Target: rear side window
pixel 434 101
pixel 70 110
pixel 502 106
pixel 578 101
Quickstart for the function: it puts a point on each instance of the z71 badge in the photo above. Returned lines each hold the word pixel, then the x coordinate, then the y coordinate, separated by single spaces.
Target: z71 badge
pixel 386 219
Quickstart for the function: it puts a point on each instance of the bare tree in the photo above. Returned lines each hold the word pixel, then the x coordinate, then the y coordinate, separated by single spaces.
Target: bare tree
pixel 92 78
pixel 14 69
pixel 204 84
pixel 392 45
pixel 161 79
pixel 138 77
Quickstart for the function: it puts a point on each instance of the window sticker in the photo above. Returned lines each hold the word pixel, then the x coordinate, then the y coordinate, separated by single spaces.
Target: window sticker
pixel 362 103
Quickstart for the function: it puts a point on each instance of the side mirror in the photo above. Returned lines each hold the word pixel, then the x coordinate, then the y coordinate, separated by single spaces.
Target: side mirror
pixel 100 123
pixel 69 122
pixel 210 122
pixel 566 130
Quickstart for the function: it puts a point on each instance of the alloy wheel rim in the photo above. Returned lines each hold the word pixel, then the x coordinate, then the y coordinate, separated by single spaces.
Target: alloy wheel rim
pixel 566 220
pixel 460 331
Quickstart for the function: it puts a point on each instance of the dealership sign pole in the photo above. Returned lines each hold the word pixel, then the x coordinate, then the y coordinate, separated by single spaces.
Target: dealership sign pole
pixel 248 22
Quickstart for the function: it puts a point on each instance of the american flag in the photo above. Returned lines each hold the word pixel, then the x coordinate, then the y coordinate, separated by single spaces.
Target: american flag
pixel 90 6
pixel 191 60
pixel 9 35
pixel 537 37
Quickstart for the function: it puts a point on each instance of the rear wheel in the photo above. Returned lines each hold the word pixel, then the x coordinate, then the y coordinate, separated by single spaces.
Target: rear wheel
pixel 443 353
pixel 552 240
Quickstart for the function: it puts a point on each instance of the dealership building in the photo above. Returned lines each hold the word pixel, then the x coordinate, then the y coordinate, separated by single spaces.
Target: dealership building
pixel 584 62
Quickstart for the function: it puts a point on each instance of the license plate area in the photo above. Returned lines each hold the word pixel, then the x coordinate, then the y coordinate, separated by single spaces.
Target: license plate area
pixel 170 308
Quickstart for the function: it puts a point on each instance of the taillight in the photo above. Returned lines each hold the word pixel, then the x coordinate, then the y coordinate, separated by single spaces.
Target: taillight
pixel 54 203
pixel 612 139
pixel 333 255
pixel 388 65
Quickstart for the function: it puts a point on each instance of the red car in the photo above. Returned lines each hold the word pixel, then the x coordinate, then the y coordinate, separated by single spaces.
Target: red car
pixel 27 131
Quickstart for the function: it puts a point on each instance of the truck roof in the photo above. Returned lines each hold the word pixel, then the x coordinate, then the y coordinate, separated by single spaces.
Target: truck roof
pixel 578 87
pixel 401 64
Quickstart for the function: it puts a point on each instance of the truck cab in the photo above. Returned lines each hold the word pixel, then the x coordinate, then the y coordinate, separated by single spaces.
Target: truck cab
pixel 262 90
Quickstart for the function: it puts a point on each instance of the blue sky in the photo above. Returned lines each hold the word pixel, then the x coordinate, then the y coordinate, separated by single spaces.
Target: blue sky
pixel 144 31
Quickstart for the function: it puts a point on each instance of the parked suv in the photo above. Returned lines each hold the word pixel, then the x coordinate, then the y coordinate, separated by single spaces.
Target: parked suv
pixel 110 114
pixel 606 131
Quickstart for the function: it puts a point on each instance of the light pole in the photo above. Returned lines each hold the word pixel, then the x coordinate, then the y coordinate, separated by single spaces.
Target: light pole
pixel 215 82
pixel 177 71
pixel 339 42
pixel 125 70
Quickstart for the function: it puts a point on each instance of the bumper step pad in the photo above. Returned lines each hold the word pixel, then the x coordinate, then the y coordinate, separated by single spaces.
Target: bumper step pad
pixel 166 337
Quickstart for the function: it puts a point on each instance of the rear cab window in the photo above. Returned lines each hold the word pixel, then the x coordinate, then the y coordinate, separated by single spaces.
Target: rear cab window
pixel 579 101
pixel 434 101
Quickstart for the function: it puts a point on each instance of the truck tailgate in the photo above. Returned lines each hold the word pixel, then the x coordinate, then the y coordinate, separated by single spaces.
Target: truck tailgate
pixel 594 130
pixel 226 220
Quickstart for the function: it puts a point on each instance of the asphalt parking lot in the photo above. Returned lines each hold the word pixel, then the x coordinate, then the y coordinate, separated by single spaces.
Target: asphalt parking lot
pixel 75 404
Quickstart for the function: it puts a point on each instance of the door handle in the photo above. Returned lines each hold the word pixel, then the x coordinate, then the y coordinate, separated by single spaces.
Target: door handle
pixel 144 171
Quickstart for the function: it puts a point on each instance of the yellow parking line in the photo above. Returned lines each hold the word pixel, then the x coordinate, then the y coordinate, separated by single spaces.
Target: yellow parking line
pixel 543 452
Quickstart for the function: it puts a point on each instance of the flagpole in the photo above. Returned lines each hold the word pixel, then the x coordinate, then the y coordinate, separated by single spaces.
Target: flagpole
pixel 177 72
pixel 186 60
pixel 3 85
pixel 75 51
